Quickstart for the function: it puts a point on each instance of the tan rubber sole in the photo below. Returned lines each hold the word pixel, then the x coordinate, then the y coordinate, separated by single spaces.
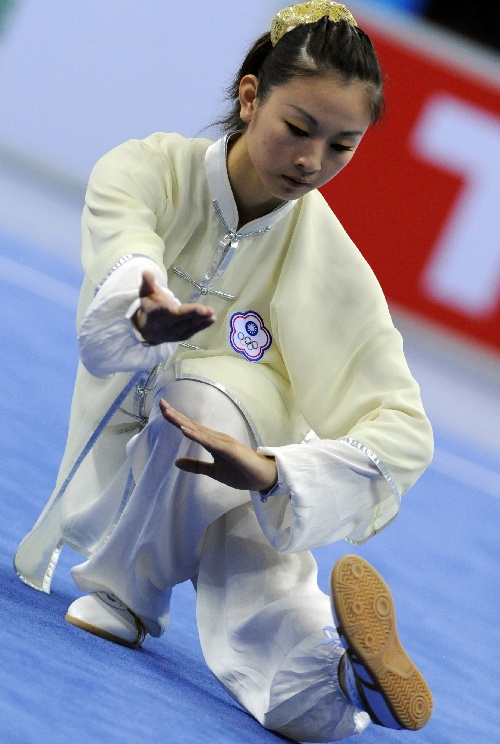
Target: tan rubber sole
pixel 104 633
pixel 364 608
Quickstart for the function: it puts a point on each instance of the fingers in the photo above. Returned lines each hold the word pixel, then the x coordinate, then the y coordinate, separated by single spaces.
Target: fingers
pixel 189 428
pixel 150 289
pixel 161 318
pixel 192 430
pixel 213 441
pixel 172 415
pixel 234 463
pixel 160 328
pixel 194 310
pixel 148 285
pixel 199 467
pixel 192 318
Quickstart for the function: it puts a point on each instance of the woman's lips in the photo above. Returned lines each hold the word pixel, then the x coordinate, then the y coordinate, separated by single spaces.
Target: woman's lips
pixel 295 183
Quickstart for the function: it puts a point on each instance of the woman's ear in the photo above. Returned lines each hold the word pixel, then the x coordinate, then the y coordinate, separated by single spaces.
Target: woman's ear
pixel 248 97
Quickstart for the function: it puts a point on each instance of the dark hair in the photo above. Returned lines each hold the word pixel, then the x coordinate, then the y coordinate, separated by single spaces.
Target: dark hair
pixel 312 49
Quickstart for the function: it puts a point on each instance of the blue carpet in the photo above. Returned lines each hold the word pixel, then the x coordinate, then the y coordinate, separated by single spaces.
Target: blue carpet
pixel 440 557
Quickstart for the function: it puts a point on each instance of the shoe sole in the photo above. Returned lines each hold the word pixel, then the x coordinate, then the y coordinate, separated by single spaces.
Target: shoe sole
pixel 104 633
pixel 364 609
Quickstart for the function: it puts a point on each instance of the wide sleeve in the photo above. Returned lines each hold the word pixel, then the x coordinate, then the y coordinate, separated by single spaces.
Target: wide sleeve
pixel 107 340
pixel 327 490
pixel 128 205
pixel 346 364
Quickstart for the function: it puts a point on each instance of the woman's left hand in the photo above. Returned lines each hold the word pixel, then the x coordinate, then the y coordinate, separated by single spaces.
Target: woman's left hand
pixel 234 463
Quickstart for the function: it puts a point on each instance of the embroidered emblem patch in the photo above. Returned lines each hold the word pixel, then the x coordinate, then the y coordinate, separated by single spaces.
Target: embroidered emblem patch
pixel 249 336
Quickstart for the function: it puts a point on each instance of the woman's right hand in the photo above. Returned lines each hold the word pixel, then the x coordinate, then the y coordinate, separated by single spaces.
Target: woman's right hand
pixel 161 319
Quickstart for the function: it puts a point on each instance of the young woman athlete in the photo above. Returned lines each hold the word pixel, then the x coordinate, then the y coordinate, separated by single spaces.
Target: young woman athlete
pixel 243 397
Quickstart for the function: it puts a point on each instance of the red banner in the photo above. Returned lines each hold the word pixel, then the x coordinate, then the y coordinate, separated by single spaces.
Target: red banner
pixel 421 199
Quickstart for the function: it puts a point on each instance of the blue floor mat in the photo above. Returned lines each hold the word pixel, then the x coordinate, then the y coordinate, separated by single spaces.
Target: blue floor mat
pixel 440 558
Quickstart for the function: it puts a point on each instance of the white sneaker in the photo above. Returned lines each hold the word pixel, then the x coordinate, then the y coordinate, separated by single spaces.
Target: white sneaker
pixel 104 615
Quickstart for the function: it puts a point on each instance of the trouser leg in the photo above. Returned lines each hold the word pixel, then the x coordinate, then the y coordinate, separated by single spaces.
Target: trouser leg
pixel 260 613
pixel 261 619
pixel 158 540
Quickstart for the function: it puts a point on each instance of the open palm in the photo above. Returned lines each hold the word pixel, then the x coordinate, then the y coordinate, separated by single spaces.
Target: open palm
pixel 161 319
pixel 234 463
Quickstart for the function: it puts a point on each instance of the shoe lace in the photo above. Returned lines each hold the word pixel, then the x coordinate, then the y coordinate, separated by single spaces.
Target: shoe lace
pixel 332 638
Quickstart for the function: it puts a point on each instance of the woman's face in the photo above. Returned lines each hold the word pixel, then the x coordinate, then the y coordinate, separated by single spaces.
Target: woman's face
pixel 302 134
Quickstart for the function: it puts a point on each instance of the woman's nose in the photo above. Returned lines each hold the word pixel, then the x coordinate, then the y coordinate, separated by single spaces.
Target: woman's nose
pixel 309 158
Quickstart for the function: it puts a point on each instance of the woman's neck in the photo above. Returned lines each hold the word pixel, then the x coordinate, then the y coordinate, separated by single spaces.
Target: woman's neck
pixel 251 199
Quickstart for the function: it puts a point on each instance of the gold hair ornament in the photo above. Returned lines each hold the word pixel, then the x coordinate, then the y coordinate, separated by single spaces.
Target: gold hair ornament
pixel 296 15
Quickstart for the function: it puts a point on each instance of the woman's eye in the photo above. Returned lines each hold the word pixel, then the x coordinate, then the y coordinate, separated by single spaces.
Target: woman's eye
pixel 342 148
pixel 296 130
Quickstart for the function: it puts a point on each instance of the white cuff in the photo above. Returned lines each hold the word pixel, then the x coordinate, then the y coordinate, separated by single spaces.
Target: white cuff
pixel 108 341
pixel 330 490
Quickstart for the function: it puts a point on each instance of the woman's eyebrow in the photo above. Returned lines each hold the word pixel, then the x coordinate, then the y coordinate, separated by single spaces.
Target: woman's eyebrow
pixel 304 113
pixel 312 120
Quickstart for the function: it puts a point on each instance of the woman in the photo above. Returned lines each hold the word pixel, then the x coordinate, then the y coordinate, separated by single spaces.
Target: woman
pixel 289 373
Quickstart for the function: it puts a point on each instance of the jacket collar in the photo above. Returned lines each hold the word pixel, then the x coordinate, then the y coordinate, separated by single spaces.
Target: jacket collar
pixel 223 197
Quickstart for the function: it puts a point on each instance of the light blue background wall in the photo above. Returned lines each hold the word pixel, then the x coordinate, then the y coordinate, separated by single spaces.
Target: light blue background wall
pixel 77 78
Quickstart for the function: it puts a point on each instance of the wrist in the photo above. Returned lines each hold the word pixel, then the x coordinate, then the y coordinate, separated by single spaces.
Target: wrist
pixel 279 486
pixel 138 323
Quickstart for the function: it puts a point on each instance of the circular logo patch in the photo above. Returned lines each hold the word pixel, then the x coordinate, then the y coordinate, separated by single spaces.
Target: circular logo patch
pixel 248 335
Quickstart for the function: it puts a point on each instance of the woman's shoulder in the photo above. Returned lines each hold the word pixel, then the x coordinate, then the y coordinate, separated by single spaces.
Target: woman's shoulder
pixel 315 203
pixel 155 149
pixel 329 241
pixel 150 165
pixel 317 215
pixel 176 146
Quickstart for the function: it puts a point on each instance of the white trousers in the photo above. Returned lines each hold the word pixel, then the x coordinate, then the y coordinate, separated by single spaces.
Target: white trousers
pixel 260 614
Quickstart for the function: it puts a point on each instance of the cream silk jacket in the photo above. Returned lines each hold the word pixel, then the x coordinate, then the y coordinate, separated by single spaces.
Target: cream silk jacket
pixel 303 331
